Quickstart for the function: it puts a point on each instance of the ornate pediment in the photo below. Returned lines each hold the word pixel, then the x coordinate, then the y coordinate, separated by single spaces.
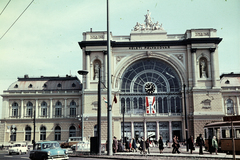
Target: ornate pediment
pixel 206 103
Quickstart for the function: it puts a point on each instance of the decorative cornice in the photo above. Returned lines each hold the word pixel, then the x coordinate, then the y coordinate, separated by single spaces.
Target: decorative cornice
pixel 212 50
pixel 193 50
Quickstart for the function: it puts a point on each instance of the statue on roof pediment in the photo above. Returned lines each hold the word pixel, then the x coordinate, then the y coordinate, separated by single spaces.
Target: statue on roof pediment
pixel 148 25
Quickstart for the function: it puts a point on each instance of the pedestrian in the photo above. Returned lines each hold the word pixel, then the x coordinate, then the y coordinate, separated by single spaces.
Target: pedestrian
pixel 175 145
pixel 200 143
pixel 191 144
pixel 127 145
pixel 210 147
pixel 115 145
pixel 215 144
pixel 142 146
pixel 147 146
pixel 160 145
pixel 134 146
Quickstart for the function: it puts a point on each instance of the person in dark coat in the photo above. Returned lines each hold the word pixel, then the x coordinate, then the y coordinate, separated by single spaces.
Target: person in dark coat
pixel 200 143
pixel 147 146
pixel 160 145
pixel 191 144
pixel 210 148
pixel 134 146
pixel 127 145
pixel 115 145
pixel 142 146
pixel 119 146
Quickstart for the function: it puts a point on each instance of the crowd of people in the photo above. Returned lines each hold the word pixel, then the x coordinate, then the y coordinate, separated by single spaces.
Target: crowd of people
pixel 132 145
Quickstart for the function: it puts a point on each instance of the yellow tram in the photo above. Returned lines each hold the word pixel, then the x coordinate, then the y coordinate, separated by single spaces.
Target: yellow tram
pixel 223 133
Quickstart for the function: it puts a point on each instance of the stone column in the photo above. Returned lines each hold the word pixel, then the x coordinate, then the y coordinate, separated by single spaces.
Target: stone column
pixel 21 116
pixel 132 129
pixel 157 130
pixel 145 129
pixel 170 131
pixel 213 69
pixel 193 51
pixel 50 110
pixel 36 108
pixel 65 108
pixel 88 69
pixel 237 106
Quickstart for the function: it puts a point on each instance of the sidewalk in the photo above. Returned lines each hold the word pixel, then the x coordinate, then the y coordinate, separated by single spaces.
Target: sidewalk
pixel 167 154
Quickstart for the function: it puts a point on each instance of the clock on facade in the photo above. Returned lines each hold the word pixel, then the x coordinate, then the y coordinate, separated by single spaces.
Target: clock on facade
pixel 150 88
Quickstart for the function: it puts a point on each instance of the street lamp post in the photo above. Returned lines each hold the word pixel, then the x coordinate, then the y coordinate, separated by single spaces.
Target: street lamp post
pixel 185 108
pixel 82 72
pixel 99 112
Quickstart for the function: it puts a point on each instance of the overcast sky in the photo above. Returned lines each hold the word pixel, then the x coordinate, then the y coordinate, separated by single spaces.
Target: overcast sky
pixel 44 40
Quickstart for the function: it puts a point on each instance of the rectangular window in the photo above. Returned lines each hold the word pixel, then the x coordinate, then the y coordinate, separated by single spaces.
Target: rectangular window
pixel 15 112
pixel 28 136
pixel 58 112
pixel 72 111
pixel 43 136
pixel 29 112
pixel 44 112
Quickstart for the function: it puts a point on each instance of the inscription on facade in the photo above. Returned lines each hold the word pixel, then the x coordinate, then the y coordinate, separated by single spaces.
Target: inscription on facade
pixel 201 34
pixel 149 47
pixel 96 37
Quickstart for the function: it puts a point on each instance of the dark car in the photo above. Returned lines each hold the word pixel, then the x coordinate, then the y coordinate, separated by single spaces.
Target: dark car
pixel 48 150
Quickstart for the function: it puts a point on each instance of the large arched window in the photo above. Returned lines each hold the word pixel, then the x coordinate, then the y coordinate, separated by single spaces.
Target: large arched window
pixel 230 105
pixel 57 133
pixel 14 109
pixel 58 109
pixel 72 131
pixel 72 109
pixel 43 133
pixel 29 109
pixel 28 133
pixel 44 109
pixel 151 77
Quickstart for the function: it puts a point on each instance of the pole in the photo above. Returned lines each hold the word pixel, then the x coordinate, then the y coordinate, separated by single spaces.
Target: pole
pixel 185 109
pixel 109 91
pixel 99 112
pixel 34 124
pixel 123 125
pixel 233 144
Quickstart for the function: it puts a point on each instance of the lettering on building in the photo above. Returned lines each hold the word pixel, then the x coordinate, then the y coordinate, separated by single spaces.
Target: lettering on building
pixel 149 47
pixel 96 37
pixel 201 34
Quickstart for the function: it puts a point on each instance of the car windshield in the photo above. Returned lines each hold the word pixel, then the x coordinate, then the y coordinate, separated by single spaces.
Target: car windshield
pixel 17 145
pixel 49 145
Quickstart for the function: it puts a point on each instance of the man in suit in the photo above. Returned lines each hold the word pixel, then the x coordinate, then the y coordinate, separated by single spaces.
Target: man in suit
pixel 200 143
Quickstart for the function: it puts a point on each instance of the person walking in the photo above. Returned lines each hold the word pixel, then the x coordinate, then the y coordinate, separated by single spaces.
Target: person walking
pixel 160 145
pixel 191 144
pixel 175 145
pixel 142 146
pixel 200 143
pixel 215 144
pixel 134 146
pixel 147 146
pixel 115 145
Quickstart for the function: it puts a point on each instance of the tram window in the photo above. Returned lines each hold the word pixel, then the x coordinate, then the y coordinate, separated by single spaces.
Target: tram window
pixel 223 133
pixel 226 133
pixel 237 133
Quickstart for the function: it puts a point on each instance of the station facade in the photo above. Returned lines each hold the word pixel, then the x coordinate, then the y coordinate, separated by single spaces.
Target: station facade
pixel 164 84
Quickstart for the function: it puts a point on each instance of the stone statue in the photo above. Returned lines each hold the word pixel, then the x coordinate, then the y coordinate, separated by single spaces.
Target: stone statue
pixel 137 27
pixel 202 66
pixel 148 20
pixel 96 70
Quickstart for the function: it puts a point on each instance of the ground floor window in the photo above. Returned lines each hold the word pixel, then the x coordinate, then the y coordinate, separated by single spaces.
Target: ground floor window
pixel 72 131
pixel 57 133
pixel 27 133
pixel 43 133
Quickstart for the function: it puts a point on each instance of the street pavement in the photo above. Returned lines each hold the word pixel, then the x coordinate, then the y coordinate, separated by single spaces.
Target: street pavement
pixel 167 154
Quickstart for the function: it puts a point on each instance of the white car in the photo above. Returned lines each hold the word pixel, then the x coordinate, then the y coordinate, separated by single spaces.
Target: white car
pixel 18 148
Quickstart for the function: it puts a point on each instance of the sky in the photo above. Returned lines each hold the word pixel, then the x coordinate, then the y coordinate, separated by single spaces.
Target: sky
pixel 40 37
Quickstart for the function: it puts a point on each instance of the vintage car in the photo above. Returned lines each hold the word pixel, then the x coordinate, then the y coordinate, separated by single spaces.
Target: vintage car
pixel 48 150
pixel 18 148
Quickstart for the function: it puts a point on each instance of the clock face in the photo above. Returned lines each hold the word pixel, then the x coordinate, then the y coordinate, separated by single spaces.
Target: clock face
pixel 150 88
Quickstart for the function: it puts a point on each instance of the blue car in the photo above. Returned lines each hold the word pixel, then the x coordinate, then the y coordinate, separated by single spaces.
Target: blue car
pixel 48 150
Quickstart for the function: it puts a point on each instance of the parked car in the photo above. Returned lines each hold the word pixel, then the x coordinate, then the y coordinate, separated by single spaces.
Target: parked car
pixel 48 150
pixel 18 148
pixel 71 141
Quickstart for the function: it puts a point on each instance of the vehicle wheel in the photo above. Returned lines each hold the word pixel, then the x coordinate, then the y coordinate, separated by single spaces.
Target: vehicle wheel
pixel 10 153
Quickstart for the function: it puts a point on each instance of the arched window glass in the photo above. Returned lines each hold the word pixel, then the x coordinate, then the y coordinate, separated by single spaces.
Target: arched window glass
pixel 43 133
pixel 44 109
pixel 160 108
pixel 230 109
pixel 178 105
pixel 58 109
pixel 72 109
pixel 29 109
pixel 14 109
pixel 128 105
pixel 57 133
pixel 165 104
pixel 123 105
pixel 28 133
pixel 173 105
pixel 72 131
